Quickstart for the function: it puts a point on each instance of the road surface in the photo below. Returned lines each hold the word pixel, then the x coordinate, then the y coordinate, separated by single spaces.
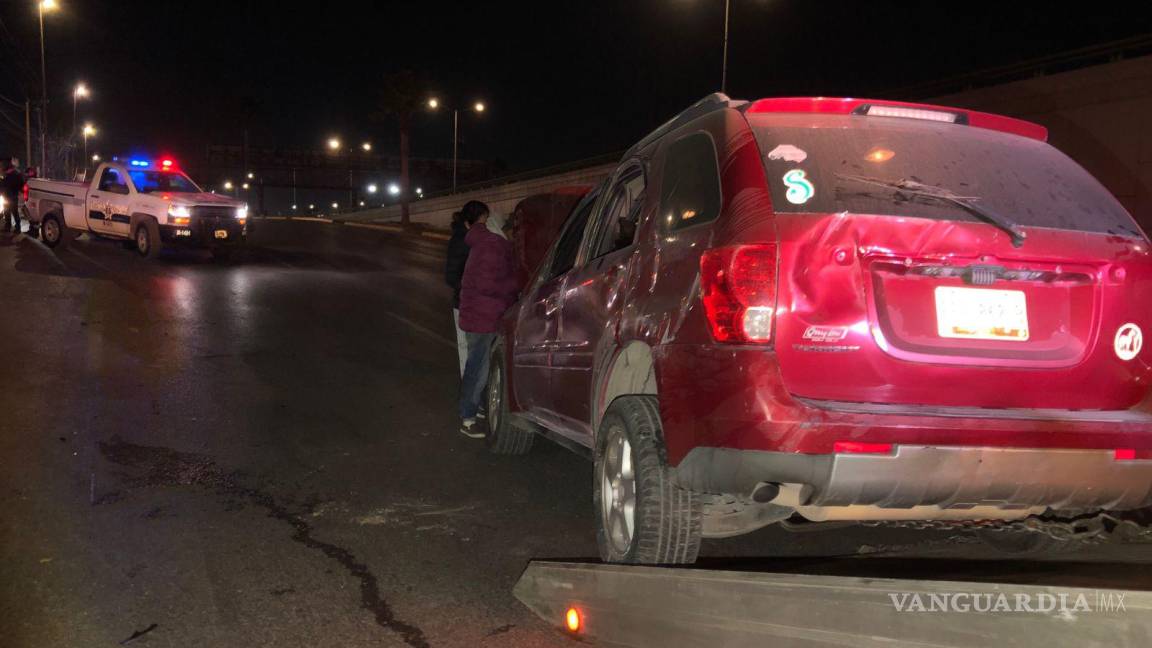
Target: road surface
pixel 265 452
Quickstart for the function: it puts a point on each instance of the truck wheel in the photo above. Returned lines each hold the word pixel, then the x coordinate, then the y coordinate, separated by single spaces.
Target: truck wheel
pixel 505 435
pixel 148 239
pixel 643 517
pixel 51 230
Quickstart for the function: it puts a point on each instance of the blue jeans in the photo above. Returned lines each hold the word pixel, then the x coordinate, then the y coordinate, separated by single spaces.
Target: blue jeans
pixel 475 372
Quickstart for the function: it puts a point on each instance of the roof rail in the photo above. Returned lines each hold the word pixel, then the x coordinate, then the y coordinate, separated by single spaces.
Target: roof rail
pixel 714 101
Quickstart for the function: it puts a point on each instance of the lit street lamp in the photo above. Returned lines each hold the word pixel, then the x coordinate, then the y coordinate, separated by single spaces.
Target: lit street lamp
pixel 372 188
pixel 251 176
pixel 367 146
pixel 81 92
pixel 394 189
pixel 478 107
pixel 334 144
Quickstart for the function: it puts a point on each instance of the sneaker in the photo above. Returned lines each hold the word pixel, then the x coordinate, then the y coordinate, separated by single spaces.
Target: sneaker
pixel 470 429
pixel 482 415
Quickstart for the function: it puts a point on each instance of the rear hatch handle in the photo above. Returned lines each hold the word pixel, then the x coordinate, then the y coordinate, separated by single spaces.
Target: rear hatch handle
pixel 914 188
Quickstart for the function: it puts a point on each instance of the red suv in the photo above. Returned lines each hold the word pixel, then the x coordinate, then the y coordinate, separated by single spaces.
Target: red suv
pixel 836 309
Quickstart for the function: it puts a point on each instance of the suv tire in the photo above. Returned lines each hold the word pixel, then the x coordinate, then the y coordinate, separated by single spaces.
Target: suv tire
pixel 643 517
pixel 506 435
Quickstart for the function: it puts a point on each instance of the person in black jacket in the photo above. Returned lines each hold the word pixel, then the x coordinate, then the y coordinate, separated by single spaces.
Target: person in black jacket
pixel 11 186
pixel 454 268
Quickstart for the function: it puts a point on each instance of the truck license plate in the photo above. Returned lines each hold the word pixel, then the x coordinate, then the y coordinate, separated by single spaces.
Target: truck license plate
pixel 221 234
pixel 981 314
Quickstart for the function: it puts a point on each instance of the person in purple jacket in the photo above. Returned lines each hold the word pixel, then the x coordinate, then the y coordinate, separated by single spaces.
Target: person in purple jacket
pixel 488 288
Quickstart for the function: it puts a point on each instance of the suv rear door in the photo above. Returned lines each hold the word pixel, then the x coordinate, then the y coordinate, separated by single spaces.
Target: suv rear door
pixel 539 317
pixel 591 302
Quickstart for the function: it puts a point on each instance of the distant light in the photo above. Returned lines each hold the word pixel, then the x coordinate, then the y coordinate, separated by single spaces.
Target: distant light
pixel 480 107
pixel 89 130
pixel 311 206
pixel 49 5
pixel 334 144
pixel 394 189
pixel 251 175
pixel 335 205
pixel 244 186
pixel 419 190
pixel 96 158
pixel 367 146
pixel 81 91
pixel 433 103
pixel 228 185
pixel 361 203
pixel 372 188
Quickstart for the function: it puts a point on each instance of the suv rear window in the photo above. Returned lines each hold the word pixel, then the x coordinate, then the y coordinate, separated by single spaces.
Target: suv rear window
pixel 845 159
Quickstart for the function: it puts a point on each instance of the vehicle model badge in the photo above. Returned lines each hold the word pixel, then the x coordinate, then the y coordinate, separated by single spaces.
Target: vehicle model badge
pixel 800 190
pixel 1129 341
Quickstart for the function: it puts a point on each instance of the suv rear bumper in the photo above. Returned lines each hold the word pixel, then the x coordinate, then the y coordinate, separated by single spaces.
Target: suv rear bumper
pixel 947 477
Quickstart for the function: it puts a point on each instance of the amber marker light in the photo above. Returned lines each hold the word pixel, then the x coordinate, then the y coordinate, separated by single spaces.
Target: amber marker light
pixel 572 620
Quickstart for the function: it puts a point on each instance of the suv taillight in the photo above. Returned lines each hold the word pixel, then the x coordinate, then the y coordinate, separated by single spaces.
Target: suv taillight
pixel 738 288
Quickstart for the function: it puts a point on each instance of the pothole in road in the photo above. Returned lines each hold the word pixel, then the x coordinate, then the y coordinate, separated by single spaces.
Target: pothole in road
pixel 159 466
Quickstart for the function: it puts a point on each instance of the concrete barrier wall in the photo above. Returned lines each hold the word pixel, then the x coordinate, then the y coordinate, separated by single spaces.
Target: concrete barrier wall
pixel 437 212
pixel 1101 116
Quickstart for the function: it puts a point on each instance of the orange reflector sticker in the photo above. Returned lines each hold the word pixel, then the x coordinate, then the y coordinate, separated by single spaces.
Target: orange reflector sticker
pixel 572 620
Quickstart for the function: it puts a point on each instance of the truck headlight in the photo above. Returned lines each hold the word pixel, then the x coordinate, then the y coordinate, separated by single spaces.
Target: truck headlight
pixel 179 215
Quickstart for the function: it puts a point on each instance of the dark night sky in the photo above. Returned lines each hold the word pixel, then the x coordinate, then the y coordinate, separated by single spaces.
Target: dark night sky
pixel 564 80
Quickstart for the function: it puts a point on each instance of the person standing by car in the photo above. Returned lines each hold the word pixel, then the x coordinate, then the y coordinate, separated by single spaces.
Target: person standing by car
pixel 11 186
pixel 488 288
pixel 462 221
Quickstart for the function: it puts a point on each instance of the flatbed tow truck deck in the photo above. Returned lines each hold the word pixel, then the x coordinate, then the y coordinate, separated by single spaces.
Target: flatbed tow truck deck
pixel 862 601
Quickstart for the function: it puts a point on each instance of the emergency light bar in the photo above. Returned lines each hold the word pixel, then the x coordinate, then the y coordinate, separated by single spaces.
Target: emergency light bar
pixel 166 164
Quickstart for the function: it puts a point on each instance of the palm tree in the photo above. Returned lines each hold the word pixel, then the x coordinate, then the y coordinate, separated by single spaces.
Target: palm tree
pixel 402 96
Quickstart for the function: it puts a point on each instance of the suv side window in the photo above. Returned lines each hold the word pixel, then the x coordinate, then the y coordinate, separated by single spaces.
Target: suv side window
pixel 111 182
pixel 690 189
pixel 569 243
pixel 620 216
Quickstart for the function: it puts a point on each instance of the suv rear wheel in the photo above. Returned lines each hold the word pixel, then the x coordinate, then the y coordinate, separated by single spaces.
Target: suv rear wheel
pixel 505 435
pixel 643 516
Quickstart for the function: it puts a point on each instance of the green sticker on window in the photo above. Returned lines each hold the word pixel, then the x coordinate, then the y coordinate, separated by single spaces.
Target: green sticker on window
pixel 800 190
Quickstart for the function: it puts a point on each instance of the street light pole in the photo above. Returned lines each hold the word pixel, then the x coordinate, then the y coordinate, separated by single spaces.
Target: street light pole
pixel 724 65
pixel 43 95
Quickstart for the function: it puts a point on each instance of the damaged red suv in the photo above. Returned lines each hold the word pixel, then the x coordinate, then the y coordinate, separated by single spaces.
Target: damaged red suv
pixel 836 309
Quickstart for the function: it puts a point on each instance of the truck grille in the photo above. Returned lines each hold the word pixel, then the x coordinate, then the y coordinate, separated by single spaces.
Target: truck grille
pixel 214 212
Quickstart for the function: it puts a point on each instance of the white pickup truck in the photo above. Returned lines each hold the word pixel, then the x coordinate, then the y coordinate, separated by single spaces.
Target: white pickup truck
pixel 148 204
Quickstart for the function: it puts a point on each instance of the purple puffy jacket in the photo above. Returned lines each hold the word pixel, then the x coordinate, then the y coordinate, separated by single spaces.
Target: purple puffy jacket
pixel 490 284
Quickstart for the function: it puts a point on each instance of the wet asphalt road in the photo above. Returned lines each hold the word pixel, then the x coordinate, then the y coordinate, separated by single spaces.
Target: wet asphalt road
pixel 264 453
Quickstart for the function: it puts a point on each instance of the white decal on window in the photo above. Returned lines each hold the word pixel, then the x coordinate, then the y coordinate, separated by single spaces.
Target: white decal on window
pixel 788 153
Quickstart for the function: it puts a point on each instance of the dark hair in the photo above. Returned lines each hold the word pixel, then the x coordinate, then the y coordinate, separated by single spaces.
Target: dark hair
pixel 470 213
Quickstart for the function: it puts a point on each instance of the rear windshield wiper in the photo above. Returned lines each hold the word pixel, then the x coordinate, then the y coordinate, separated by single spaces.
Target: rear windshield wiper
pixel 968 203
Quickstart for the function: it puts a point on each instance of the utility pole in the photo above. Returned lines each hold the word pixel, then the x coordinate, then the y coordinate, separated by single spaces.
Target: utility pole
pixel 43 101
pixel 724 66
pixel 27 133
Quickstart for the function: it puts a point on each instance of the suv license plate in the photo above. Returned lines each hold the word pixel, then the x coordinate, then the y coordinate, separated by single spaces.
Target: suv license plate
pixel 981 314
pixel 221 234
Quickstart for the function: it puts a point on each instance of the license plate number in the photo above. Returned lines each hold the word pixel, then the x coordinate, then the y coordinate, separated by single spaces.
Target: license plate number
pixel 981 314
pixel 221 234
